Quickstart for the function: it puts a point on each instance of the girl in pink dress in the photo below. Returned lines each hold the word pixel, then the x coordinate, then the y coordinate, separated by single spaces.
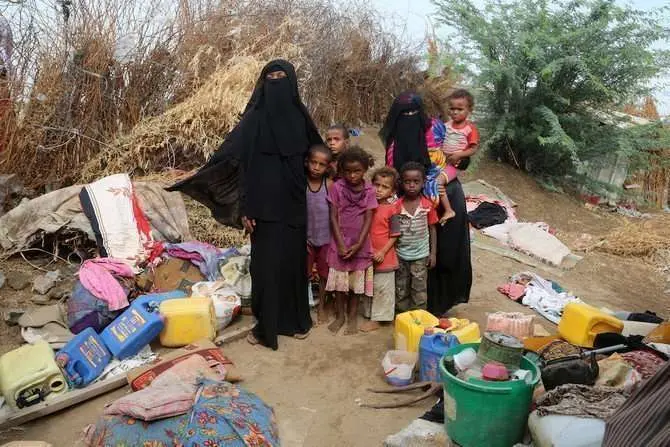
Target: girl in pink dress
pixel 350 274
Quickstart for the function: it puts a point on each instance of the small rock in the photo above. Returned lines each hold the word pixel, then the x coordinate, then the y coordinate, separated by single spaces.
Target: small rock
pixel 11 316
pixel 18 280
pixel 2 280
pixel 45 283
pixel 41 299
pixel 59 292
pixel 419 433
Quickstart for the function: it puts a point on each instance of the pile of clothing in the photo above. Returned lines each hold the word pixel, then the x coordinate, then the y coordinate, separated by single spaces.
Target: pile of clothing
pixel 545 297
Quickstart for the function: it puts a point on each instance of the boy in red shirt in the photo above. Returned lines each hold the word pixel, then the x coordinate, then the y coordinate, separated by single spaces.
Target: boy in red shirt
pixel 384 233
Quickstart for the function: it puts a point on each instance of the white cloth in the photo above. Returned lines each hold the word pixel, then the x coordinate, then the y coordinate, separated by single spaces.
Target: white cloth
pixel 533 239
pixel 541 297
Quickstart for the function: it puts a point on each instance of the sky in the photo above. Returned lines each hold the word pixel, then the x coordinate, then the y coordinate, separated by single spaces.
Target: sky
pixel 412 18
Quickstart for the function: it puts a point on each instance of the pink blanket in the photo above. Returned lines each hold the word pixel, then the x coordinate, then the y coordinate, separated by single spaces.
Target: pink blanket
pixel 96 275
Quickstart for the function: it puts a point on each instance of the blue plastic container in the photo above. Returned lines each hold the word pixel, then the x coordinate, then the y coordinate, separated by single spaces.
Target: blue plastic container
pixel 133 329
pixel 431 349
pixel 83 358
pixel 155 299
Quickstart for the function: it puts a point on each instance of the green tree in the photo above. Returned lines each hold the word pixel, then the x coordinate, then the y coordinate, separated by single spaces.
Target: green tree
pixel 547 70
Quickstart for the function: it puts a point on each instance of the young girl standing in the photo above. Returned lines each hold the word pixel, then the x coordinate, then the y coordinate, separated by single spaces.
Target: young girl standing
pixel 352 200
pixel 318 219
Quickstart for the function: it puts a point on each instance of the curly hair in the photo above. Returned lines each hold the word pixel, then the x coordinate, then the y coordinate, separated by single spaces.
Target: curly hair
pixel 386 172
pixel 319 149
pixel 342 128
pixel 413 166
pixel 355 154
pixel 463 93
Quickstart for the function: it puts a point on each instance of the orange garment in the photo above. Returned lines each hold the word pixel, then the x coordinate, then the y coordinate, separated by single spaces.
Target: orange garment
pixel 385 225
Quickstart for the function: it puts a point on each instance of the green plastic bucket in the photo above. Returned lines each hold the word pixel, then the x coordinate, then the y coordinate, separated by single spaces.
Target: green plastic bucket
pixel 480 413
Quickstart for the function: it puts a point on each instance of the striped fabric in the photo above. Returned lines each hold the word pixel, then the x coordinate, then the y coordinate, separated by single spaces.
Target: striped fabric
pixel 414 242
pixel 644 419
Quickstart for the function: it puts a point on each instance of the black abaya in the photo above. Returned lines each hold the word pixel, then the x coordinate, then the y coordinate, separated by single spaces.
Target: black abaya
pixel 258 172
pixel 449 283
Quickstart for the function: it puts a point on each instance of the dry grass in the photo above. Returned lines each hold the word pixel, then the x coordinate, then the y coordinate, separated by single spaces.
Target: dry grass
pixel 83 108
pixel 649 240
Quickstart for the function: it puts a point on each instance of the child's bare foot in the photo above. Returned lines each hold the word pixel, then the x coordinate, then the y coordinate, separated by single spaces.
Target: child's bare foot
pixel 252 339
pixel 336 325
pixel 370 326
pixel 449 214
pixel 321 316
pixel 352 327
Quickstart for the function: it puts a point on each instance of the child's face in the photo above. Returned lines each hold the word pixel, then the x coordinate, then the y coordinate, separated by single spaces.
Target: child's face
pixel 317 165
pixel 412 183
pixel 384 188
pixel 336 141
pixel 353 173
pixel 459 109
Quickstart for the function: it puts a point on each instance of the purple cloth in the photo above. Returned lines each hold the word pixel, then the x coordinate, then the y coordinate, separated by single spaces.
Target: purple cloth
pixel 204 256
pixel 318 216
pixel 97 276
pixel 351 206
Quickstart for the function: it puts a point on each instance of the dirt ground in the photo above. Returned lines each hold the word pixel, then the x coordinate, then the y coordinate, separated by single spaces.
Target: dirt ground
pixel 313 384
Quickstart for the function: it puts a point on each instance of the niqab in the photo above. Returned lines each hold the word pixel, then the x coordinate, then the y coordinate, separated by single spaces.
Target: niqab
pixel 258 171
pixel 407 132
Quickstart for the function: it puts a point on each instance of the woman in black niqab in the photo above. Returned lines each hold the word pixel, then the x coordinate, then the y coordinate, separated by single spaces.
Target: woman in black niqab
pixel 256 179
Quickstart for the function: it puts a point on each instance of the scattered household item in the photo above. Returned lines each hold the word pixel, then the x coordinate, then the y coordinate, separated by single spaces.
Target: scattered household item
pixel 119 224
pixel 487 214
pixel 555 430
pixel 558 349
pixel 204 256
pixel 98 277
pixel 409 327
pixel 545 297
pixel 501 348
pixel 536 344
pixel 574 369
pixel 86 310
pixel 465 359
pixel 581 400
pixel 428 390
pixel 132 330
pixel 463 329
pixel 645 317
pixel 29 375
pixel 581 323
pixel 58 210
pixel 187 320
pixel 142 377
pixel 481 413
pixel 643 417
pixel 398 367
pixel 515 324
pixel 224 414
pixel 494 371
pixel 661 334
pixel 175 274
pixel 45 323
pixel 637 328
pixel 153 300
pixel 419 433
pixel 432 348
pixel 83 358
pixel 227 303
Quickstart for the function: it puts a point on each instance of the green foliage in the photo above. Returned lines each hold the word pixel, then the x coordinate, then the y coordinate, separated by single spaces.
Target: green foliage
pixel 546 69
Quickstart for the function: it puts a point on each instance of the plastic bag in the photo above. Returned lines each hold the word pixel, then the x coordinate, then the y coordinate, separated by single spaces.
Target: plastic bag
pixel 399 367
pixel 227 303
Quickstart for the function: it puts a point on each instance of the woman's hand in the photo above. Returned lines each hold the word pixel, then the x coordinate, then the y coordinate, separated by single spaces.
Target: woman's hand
pixel 431 261
pixel 248 224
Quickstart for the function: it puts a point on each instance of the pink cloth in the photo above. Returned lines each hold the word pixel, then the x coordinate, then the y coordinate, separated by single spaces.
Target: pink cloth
pixel 96 275
pixel 512 290
pixel 351 206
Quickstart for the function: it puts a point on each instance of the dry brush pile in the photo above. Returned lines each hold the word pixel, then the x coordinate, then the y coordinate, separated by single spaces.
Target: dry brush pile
pixel 142 87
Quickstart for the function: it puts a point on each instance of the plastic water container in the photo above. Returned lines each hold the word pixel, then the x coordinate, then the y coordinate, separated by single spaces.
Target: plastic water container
pixel 156 299
pixel 83 358
pixel 581 323
pixel 463 329
pixel 187 320
pixel 492 414
pixel 409 327
pixel 431 349
pixel 29 375
pixel 133 330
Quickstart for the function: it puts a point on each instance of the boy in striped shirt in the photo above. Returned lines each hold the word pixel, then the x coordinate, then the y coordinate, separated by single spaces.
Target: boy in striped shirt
pixel 417 242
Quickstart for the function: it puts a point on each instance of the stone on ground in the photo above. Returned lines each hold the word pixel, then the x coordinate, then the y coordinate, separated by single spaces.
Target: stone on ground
pixel 419 433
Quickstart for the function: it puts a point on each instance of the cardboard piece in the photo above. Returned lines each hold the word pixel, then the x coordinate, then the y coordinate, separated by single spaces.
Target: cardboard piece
pixel 171 275
pixel 140 378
